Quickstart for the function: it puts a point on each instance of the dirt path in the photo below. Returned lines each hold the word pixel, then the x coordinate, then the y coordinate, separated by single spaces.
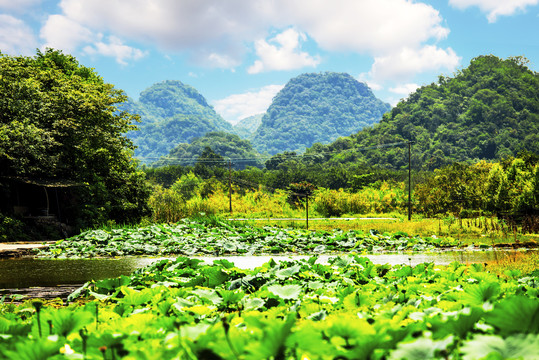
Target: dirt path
pixel 11 250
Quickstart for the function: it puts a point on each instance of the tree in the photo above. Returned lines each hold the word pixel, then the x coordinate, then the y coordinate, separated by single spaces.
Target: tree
pixel 60 120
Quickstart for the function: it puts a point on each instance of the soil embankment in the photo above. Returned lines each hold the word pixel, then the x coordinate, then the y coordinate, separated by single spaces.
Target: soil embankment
pixel 14 250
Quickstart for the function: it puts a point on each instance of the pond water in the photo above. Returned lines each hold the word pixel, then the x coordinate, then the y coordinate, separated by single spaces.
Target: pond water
pixel 28 272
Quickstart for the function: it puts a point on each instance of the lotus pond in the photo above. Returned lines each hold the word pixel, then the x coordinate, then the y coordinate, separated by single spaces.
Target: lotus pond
pixel 30 272
pixel 314 307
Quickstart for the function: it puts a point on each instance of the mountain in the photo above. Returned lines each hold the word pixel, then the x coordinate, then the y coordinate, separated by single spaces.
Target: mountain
pixel 247 127
pixel 317 108
pixel 489 110
pixel 229 146
pixel 171 113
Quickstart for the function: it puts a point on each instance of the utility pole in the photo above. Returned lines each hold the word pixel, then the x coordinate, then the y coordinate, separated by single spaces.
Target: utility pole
pixel 307 212
pixel 409 180
pixel 230 185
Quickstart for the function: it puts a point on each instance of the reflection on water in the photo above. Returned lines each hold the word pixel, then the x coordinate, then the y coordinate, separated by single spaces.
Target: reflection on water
pixel 18 273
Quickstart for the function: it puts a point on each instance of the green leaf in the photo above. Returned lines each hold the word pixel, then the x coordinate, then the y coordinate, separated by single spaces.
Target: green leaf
pixel 518 314
pixel 286 292
pixel 518 346
pixel 420 349
pixel 288 272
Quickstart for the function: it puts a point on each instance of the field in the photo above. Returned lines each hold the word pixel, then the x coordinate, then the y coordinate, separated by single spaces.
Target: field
pixel 348 308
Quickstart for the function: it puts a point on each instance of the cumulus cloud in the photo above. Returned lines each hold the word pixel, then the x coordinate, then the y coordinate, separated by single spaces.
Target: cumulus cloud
pixel 283 53
pixel 408 62
pixel 61 32
pixel 495 8
pixel 117 49
pixel 239 106
pixel 404 89
pixel 16 38
pixel 218 33
pixel 367 26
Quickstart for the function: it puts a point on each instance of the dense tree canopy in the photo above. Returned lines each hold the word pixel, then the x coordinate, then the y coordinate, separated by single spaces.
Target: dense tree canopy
pixel 59 120
pixel 228 146
pixel 317 108
pixel 489 110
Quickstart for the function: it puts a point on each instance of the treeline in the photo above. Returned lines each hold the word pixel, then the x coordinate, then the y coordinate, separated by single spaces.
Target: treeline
pixel 506 188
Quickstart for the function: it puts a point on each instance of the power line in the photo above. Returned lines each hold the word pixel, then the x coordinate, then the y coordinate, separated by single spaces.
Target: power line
pixel 267 157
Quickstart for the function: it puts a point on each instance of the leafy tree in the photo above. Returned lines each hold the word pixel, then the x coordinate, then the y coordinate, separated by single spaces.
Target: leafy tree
pixel 60 120
pixel 299 192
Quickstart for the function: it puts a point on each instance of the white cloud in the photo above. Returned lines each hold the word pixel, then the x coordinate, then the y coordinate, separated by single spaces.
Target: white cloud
pixel 61 32
pixel 404 89
pixel 408 62
pixel 16 38
pixel 116 49
pixel 495 8
pixel 239 106
pixel 222 61
pixel 219 32
pixel 18 5
pixel 367 26
pixel 284 54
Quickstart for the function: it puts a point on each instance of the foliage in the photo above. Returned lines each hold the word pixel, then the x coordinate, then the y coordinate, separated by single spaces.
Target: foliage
pixel 228 146
pixel 190 237
pixel 489 110
pixel 297 309
pixel 59 120
pixel 316 108
pixel 508 187
pixel 300 192
pixel 171 113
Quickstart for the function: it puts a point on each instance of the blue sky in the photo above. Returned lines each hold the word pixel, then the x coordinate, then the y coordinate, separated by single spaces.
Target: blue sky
pixel 240 53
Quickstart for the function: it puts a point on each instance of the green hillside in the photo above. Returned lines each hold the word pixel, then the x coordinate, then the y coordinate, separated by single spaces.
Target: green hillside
pixel 317 108
pixel 229 146
pixel 248 126
pixel 171 113
pixel 489 110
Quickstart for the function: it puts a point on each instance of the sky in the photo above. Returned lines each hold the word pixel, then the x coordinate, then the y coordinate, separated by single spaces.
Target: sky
pixel 239 53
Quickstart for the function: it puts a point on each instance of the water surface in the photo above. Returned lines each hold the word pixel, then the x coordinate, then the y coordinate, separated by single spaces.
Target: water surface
pixel 28 272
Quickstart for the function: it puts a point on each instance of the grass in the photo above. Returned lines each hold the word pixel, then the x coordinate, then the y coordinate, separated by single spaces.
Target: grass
pixel 480 231
pixel 515 264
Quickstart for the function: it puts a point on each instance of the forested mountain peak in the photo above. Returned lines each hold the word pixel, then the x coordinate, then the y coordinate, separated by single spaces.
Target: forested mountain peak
pixel 171 113
pixel 317 107
pixel 173 97
pixel 489 110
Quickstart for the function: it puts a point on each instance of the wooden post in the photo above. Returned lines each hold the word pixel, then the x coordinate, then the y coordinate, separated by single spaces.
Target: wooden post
pixel 409 180
pixel 307 212
pixel 230 185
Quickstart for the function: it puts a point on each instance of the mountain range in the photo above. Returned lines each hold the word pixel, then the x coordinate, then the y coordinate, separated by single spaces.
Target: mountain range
pixel 311 108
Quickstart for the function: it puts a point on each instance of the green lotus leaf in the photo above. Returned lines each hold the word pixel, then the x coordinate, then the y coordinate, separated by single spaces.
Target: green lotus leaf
pixel 287 292
pixel 518 346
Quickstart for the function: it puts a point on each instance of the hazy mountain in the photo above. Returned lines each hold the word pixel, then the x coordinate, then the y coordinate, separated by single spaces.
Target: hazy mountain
pixel 248 126
pixel 171 113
